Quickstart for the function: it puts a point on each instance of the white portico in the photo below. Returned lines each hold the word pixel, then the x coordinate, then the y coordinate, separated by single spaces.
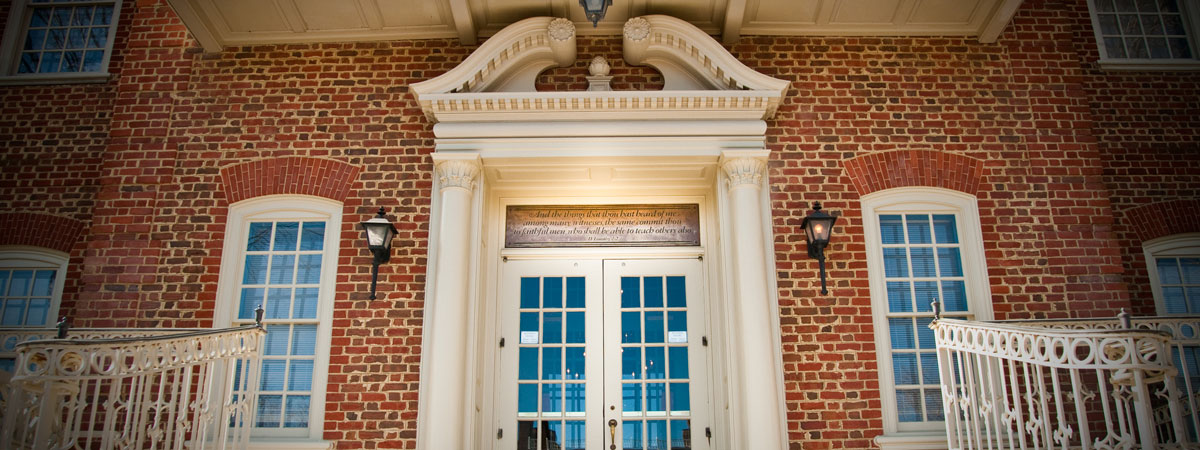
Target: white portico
pixel 565 343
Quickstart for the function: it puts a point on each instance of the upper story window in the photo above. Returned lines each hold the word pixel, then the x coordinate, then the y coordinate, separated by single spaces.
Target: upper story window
pixel 31 284
pixel 281 253
pixel 1146 34
pixel 924 245
pixel 58 40
pixel 1173 263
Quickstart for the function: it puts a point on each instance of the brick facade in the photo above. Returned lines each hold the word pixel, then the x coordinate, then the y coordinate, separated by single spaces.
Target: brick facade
pixel 1062 156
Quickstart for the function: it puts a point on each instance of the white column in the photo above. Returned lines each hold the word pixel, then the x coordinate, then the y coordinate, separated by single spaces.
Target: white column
pixel 759 394
pixel 448 314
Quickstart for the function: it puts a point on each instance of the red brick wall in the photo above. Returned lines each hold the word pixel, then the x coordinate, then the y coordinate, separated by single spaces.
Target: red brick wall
pixel 1044 142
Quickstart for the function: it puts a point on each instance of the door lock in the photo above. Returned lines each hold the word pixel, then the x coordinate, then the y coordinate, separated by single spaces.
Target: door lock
pixel 612 434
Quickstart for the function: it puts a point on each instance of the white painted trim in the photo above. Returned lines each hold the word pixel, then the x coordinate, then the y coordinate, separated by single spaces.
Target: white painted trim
pixel 912 441
pixel 283 207
pixel 1001 16
pixel 919 200
pixel 14 36
pixel 197 24
pixel 30 257
pixel 1176 245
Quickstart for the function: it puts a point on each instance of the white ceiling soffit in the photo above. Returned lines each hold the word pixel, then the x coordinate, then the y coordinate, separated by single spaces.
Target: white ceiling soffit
pixel 220 23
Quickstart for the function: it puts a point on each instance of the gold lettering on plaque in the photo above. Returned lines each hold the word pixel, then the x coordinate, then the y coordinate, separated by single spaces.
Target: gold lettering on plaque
pixel 602 226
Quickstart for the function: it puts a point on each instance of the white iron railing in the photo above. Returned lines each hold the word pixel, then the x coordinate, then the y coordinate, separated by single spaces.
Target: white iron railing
pixel 129 388
pixel 1056 384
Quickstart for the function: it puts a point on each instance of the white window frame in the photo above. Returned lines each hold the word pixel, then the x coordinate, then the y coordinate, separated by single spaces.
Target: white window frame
pixel 919 200
pixel 1191 18
pixel 277 208
pixel 14 37
pixel 1176 245
pixel 28 257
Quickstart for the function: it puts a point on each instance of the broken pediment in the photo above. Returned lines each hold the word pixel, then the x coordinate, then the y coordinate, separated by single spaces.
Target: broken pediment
pixel 702 80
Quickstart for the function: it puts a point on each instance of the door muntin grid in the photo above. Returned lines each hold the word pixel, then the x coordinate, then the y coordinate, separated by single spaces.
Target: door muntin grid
pixel 551 375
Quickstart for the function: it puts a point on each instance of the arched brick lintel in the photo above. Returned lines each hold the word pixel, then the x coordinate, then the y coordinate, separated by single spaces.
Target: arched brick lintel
pixel 297 175
pixel 901 168
pixel 40 230
pixel 1166 218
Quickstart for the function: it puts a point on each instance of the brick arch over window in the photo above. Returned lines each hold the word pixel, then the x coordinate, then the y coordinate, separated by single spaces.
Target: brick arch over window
pixel 1164 218
pixel 299 175
pixel 902 168
pixel 40 230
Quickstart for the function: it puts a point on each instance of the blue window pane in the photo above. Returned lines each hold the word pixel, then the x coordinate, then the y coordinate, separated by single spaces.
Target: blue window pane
pixel 933 405
pixel 4 274
pixel 97 38
pixel 919 231
pixel 903 335
pixel 1168 270
pixel 270 408
pixel 277 340
pixel 527 398
pixel 14 313
pixel 574 437
pixel 1193 294
pixel 251 299
pixel 76 38
pixel 576 397
pixel 313 236
pixel 631 363
pixel 904 366
pixel 891 229
pixel 576 292
pixel 71 61
pixel 681 434
pixel 296 415
pixel 680 398
pixel 908 405
pixel 926 294
pixel 272 375
pixel 631 327
pixel 1191 270
pixel 103 15
pixel 656 397
pixel 279 303
pixel 676 320
pixel 43 283
pixel 7 365
pixel 527 363
pixel 256 270
pixel 309 269
pixel 676 292
pixel 631 295
pixel 656 435
pixel 56 39
pixel 82 16
pixel 304 340
pixel 656 363
pixel 286 236
pixel 39 308
pixel 21 281
pixel 944 229
pixel 529 293
pixel 632 437
pixel 654 327
pixel 949 262
pixel 30 62
pixel 631 397
pixel 300 375
pixel 281 269
pixel 654 292
pixel 260 237
pixel 552 293
pixel 305 303
pixel 552 327
pixel 552 435
pixel 575 327
pixel 1174 300
pixel 679 362
pixel 552 363
pixel 929 369
pixel 954 295
pixel 895 264
pixel 551 398
pixel 922 262
pixel 925 338
pixel 40 17
pixel 92 61
pixel 575 363
pixel 529 321
pixel 60 17
pixel 899 296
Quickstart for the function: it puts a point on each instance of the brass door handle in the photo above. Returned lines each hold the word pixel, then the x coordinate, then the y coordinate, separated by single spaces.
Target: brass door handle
pixel 612 434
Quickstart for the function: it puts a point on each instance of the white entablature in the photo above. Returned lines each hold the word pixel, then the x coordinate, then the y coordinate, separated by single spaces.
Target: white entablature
pixel 702 81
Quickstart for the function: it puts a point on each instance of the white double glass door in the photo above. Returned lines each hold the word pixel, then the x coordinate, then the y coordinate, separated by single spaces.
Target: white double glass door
pixel 602 355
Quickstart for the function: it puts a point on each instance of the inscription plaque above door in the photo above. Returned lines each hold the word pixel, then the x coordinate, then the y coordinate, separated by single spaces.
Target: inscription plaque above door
pixel 602 226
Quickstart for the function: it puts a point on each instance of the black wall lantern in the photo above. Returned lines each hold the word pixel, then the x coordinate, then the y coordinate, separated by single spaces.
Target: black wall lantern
pixel 379 234
pixel 817 228
pixel 595 9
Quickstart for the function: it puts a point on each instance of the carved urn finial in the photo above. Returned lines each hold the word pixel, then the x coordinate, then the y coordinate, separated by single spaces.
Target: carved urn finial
pixel 599 80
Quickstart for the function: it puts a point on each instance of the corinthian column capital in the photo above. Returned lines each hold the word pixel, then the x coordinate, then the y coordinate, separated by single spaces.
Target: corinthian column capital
pixel 744 171
pixel 457 173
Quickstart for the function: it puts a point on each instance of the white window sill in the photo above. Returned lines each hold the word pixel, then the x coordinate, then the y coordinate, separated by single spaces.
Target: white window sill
pixel 288 444
pixel 1148 65
pixel 912 441
pixel 58 78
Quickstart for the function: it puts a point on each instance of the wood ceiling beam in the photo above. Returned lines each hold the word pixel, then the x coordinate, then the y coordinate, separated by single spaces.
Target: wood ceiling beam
pixel 735 15
pixel 463 22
